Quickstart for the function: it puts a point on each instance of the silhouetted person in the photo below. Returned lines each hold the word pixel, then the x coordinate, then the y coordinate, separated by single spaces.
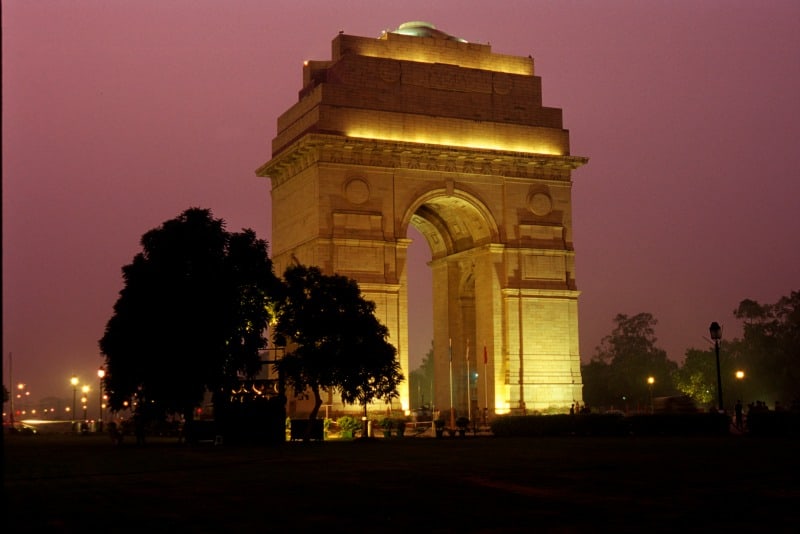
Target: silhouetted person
pixel 738 411
pixel 114 432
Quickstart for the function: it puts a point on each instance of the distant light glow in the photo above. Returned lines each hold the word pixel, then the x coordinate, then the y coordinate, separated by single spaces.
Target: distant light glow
pixel 502 407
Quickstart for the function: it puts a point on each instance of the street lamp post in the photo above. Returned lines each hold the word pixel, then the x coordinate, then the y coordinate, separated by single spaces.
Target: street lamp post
pixel 100 374
pixel 74 382
pixel 21 398
pixel 650 382
pixel 740 379
pixel 716 334
pixel 85 400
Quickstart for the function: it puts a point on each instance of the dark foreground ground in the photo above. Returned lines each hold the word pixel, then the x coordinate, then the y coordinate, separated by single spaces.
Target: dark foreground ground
pixel 67 483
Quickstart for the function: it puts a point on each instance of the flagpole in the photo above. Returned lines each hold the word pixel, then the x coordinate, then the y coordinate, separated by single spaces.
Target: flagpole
pixel 452 408
pixel 10 386
pixel 485 382
pixel 469 384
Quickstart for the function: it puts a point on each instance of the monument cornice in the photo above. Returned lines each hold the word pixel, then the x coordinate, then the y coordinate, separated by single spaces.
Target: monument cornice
pixel 317 148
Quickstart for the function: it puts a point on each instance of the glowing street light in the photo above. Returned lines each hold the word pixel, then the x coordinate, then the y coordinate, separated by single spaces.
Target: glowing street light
pixel 100 374
pixel 21 396
pixel 74 382
pixel 650 382
pixel 740 379
pixel 84 399
pixel 716 334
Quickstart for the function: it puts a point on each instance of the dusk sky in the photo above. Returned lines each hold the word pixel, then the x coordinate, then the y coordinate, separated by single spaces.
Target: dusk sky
pixel 119 115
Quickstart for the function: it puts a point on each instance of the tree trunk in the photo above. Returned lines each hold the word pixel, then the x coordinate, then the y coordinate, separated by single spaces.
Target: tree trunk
pixel 317 402
pixel 365 423
pixel 314 411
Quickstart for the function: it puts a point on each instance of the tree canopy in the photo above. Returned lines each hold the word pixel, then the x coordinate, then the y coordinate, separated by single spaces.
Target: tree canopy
pixel 769 352
pixel 191 316
pixel 618 372
pixel 768 357
pixel 333 339
pixel 697 377
pixel 420 381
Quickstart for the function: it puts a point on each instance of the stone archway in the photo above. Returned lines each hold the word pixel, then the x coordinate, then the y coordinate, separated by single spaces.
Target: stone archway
pixel 426 130
pixel 460 231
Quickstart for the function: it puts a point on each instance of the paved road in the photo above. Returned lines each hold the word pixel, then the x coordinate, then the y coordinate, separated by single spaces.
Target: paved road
pixel 474 484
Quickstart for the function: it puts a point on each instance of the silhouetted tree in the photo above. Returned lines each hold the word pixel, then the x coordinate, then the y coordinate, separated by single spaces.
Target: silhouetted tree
pixel 631 356
pixel 191 316
pixel 596 390
pixel 697 377
pixel 770 348
pixel 420 381
pixel 333 339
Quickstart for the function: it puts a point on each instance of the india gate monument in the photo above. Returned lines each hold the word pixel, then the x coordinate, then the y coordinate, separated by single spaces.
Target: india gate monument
pixel 418 128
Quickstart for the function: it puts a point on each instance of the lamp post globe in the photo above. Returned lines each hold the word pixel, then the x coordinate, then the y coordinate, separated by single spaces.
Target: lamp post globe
pixel 716 334
pixel 100 374
pixel 740 379
pixel 650 381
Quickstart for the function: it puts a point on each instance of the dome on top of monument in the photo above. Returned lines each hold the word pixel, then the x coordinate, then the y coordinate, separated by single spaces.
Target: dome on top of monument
pixel 418 28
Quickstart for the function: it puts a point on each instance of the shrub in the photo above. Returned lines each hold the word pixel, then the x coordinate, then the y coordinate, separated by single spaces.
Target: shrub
pixel 349 423
pixel 400 425
pixel 386 423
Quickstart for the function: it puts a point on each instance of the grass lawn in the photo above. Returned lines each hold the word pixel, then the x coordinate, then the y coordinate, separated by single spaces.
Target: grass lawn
pixel 69 483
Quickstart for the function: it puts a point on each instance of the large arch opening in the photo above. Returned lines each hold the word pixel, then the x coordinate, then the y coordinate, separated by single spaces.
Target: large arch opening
pixel 455 229
pixel 420 298
pixel 420 318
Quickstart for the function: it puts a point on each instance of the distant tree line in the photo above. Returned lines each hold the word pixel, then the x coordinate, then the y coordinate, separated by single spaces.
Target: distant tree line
pixel 420 382
pixel 767 358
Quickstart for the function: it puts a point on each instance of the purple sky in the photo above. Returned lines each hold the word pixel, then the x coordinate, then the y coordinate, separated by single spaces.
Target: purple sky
pixel 119 115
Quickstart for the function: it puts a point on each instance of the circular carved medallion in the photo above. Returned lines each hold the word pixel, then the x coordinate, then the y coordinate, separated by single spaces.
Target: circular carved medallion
pixel 356 191
pixel 540 204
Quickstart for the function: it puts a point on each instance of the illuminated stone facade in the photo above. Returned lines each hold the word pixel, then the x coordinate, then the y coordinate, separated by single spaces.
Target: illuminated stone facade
pixel 446 136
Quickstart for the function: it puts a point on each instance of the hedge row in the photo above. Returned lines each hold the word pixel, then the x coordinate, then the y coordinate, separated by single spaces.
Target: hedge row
pixel 699 424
